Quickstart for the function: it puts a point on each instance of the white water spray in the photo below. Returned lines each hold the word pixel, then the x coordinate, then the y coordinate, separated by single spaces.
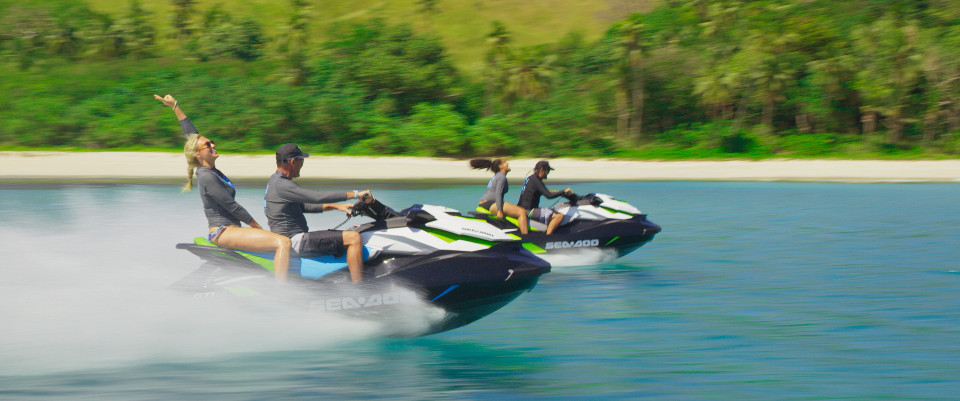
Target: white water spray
pixel 578 257
pixel 69 304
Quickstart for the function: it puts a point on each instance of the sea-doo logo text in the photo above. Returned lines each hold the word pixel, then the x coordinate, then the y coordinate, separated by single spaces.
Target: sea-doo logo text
pixel 344 303
pixel 580 243
pixel 483 233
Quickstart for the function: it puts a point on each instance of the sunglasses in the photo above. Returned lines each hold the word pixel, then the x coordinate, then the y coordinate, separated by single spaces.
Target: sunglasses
pixel 209 144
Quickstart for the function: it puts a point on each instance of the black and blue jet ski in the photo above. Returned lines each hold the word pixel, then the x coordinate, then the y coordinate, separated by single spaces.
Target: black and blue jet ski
pixel 465 266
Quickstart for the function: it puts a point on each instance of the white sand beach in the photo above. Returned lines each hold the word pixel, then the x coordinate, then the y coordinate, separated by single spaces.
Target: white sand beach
pixel 152 166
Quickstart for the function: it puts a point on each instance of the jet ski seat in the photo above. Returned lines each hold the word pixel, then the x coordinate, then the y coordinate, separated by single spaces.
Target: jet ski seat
pixel 534 225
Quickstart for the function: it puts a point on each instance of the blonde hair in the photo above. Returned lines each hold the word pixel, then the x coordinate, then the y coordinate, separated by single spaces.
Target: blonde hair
pixel 190 152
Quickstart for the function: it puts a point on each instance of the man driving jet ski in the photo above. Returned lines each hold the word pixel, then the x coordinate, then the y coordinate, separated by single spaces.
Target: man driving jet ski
pixel 530 194
pixel 285 202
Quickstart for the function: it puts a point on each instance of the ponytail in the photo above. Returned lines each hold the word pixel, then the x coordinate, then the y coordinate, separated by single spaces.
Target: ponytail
pixel 190 152
pixel 492 165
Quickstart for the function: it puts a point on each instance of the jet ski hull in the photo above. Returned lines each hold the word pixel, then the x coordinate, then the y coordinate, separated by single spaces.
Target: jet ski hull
pixel 623 236
pixel 466 285
pixel 620 236
pixel 469 286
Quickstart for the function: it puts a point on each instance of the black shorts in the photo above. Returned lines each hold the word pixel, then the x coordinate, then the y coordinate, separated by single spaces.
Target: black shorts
pixel 328 242
pixel 487 204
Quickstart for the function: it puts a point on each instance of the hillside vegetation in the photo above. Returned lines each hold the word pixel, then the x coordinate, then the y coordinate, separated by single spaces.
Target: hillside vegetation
pixel 594 78
pixel 460 25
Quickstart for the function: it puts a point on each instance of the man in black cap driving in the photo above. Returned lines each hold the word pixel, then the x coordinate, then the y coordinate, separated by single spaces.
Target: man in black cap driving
pixel 530 194
pixel 285 202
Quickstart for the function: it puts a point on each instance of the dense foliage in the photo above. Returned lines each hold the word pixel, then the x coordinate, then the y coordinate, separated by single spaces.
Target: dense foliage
pixel 691 78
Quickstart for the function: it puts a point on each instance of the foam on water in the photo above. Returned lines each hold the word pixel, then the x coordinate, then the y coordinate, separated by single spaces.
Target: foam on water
pixel 578 257
pixel 104 302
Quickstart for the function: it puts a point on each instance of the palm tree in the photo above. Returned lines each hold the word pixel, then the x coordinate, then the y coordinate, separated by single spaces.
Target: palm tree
pixel 499 40
pixel 941 68
pixel 889 72
pixel 771 71
pixel 717 89
pixel 294 40
pixel 527 75
pixel 634 48
pixel 427 6
pixel 621 85
pixel 182 14
pixel 628 80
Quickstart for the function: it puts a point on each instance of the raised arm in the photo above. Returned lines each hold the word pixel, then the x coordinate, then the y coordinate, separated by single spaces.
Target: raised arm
pixel 185 123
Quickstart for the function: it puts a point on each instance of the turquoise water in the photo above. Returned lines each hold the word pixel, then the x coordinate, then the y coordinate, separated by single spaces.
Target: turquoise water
pixel 752 291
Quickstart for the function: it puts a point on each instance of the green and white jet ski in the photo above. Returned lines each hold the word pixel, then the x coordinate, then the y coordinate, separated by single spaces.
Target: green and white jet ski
pixel 591 222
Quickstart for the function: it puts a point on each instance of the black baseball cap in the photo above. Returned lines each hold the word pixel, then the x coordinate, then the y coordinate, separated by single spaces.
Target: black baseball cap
pixel 542 164
pixel 290 151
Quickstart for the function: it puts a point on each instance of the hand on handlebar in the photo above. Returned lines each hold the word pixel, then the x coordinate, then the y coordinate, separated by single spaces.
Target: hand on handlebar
pixel 365 196
pixel 358 208
pixel 343 207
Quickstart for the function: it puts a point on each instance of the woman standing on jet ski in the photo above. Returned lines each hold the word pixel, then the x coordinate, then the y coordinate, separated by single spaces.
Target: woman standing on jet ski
pixel 218 194
pixel 492 200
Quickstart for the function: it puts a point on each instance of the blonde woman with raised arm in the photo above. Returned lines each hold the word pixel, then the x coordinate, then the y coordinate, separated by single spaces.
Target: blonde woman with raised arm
pixel 224 214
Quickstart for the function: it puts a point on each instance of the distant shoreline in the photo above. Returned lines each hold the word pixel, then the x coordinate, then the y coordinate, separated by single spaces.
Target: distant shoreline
pixel 154 167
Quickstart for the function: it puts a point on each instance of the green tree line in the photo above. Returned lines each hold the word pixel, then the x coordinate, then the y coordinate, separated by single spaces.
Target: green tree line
pixel 690 78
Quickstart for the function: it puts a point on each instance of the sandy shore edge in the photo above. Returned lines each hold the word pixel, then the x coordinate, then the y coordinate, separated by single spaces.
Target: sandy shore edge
pixel 154 166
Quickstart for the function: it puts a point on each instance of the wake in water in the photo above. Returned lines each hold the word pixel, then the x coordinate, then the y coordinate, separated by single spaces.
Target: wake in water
pixel 579 257
pixel 65 308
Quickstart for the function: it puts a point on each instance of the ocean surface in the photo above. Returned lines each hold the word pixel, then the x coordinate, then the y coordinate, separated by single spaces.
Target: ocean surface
pixel 754 290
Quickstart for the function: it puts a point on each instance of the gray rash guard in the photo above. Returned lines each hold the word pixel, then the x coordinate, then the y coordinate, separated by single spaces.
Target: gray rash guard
pixel 188 127
pixel 496 188
pixel 217 192
pixel 285 203
pixel 218 196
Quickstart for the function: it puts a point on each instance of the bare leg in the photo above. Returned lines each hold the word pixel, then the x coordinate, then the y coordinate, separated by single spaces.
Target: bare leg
pixel 354 244
pixel 523 220
pixel 517 212
pixel 257 240
pixel 555 220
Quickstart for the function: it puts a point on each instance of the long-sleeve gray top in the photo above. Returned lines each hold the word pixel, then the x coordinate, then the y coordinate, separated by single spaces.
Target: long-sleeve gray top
pixel 285 203
pixel 188 127
pixel 218 196
pixel 496 188
pixel 217 192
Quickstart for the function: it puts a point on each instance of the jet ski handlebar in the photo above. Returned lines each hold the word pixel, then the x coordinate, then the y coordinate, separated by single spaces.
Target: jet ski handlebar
pixel 588 199
pixel 374 210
